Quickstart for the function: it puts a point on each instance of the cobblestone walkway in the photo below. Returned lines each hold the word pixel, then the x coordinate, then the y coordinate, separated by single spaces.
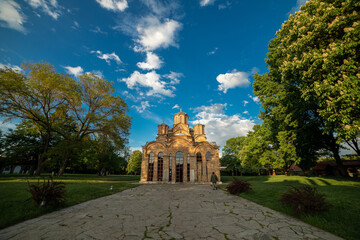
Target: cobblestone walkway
pixel 165 212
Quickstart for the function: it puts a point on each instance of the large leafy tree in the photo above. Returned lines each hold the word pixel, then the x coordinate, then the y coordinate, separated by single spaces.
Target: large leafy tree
pixel 313 81
pixel 94 109
pixel 134 164
pixel 38 95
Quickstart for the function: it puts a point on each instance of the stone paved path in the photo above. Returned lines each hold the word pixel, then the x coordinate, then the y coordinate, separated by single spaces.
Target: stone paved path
pixel 165 212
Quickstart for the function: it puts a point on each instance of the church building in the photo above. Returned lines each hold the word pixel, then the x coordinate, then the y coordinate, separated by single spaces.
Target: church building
pixel 180 154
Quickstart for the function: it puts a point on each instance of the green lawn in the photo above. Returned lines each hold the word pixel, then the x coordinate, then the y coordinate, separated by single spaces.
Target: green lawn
pixel 343 219
pixel 15 205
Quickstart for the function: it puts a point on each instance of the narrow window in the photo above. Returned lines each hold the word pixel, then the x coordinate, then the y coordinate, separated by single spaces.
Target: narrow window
pixel 188 167
pixel 198 157
pixel 208 156
pixel 170 164
pixel 160 166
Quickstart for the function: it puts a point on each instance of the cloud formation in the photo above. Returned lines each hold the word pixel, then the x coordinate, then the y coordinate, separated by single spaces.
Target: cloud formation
pixel 232 80
pixel 152 62
pixel 254 98
pixel 113 5
pixel 11 15
pixel 50 7
pixel 76 71
pixel 218 126
pixel 204 3
pixel 174 77
pixel 13 67
pixel 297 7
pixel 108 56
pixel 149 80
pixel 144 105
pixel 154 34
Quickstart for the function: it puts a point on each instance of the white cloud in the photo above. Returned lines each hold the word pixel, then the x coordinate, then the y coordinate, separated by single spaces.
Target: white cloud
pixel 98 73
pixel 212 52
pixel 174 77
pixel 218 126
pixel 143 107
pixel 150 80
pixel 245 102
pixel 152 62
pixel 232 80
pixel 76 71
pixel 5 126
pixel 254 98
pixel 97 29
pixel 50 7
pixel 204 3
pixel 246 112
pixel 296 8
pixel 175 106
pixel 107 56
pixel 11 15
pixel 76 25
pixel 13 67
pixel 113 5
pixel 154 34
pixel 224 5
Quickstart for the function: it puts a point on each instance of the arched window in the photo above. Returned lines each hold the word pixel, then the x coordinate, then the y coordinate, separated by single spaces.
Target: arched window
pixel 179 158
pixel 208 156
pixel 151 157
pixel 160 166
pixel 198 157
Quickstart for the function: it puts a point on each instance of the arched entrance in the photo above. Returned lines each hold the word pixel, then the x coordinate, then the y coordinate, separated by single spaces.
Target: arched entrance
pixel 160 166
pixel 151 167
pixel 179 159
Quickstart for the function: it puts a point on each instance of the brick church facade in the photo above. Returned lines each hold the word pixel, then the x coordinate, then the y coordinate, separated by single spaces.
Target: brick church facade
pixel 180 154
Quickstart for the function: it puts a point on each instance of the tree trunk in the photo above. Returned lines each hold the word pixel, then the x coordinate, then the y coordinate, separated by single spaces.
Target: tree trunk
pixel 62 168
pixel 12 169
pixel 42 155
pixel 31 171
pixel 335 148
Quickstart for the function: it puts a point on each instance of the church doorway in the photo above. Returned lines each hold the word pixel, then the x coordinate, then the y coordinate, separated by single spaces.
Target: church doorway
pixel 160 166
pixel 151 167
pixel 179 159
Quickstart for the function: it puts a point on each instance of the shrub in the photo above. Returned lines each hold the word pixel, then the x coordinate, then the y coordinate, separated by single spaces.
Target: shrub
pixel 238 186
pixel 305 199
pixel 49 192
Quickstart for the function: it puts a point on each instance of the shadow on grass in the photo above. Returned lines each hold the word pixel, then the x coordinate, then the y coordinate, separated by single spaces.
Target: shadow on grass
pixel 343 219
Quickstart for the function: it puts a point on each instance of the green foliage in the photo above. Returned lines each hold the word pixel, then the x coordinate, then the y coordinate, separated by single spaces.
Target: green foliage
pixel 134 165
pixel 238 186
pixel 49 192
pixel 310 94
pixel 63 111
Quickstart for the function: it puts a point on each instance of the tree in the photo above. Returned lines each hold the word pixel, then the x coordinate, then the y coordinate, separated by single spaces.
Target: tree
pixel 94 109
pixel 313 80
pixel 134 164
pixel 37 96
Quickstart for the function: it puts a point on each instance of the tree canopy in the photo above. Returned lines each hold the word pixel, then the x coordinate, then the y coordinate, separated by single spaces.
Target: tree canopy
pixel 63 109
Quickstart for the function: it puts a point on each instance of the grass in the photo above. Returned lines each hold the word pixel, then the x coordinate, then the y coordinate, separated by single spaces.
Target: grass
pixel 343 219
pixel 15 205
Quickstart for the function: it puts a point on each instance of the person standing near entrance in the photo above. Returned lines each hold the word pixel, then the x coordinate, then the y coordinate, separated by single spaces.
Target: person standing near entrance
pixel 214 180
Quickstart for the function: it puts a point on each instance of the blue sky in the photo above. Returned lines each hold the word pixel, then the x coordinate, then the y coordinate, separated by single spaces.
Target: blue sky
pixel 198 54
